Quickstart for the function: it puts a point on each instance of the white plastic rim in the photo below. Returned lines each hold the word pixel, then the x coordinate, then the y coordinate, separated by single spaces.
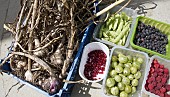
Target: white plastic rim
pixel 88 48
pixel 163 61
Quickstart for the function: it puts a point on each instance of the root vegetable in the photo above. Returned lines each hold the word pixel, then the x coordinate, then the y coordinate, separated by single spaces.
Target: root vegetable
pixel 47 34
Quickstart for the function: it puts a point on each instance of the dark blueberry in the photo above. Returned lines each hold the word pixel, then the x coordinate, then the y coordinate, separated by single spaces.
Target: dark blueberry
pixel 149 26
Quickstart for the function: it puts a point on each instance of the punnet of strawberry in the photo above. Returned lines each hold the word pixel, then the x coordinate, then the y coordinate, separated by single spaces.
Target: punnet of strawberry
pixel 157 79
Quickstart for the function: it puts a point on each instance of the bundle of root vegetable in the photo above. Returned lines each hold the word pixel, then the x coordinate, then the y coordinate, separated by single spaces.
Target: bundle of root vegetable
pixel 47 34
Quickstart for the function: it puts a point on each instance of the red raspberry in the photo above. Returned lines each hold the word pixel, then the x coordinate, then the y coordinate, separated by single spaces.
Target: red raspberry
pixel 160 73
pixel 161 66
pixel 156 65
pixel 163 90
pixel 164 80
pixel 150 86
pixel 152 70
pixel 154 83
pixel 162 95
pixel 155 61
pixel 157 92
pixel 167 87
pixel 155 74
pixel 159 85
pixel 166 71
pixel 167 95
pixel 158 79
pixel 161 70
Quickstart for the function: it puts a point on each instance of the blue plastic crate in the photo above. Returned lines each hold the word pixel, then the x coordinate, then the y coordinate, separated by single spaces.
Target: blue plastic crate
pixel 67 88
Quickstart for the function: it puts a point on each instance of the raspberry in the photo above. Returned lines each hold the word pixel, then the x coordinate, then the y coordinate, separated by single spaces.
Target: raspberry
pixel 152 91
pixel 161 66
pixel 162 95
pixel 157 92
pixel 150 86
pixel 159 85
pixel 155 61
pixel 161 70
pixel 167 95
pixel 154 74
pixel 152 70
pixel 154 83
pixel 160 73
pixel 146 87
pixel 151 79
pixel 167 87
pixel 158 79
pixel 156 65
pixel 166 71
pixel 164 80
pixel 163 90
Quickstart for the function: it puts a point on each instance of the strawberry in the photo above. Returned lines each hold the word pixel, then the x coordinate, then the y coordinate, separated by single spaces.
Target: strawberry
pixel 163 90
pixel 150 86
pixel 166 71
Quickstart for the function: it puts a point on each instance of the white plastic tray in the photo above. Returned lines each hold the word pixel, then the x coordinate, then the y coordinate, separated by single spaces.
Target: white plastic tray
pixel 133 53
pixel 166 64
pixel 88 48
pixel 130 12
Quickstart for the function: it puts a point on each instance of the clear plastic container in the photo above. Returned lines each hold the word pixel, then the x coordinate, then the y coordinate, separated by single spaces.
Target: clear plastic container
pixel 161 61
pixel 115 51
pixel 130 12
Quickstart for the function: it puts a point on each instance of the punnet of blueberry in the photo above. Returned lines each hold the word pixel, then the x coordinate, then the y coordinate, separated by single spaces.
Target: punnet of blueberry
pixel 149 37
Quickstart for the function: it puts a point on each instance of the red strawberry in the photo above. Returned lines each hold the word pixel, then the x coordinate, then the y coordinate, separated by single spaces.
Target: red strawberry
pixel 161 66
pixel 166 71
pixel 163 90
pixel 167 87
pixel 150 86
